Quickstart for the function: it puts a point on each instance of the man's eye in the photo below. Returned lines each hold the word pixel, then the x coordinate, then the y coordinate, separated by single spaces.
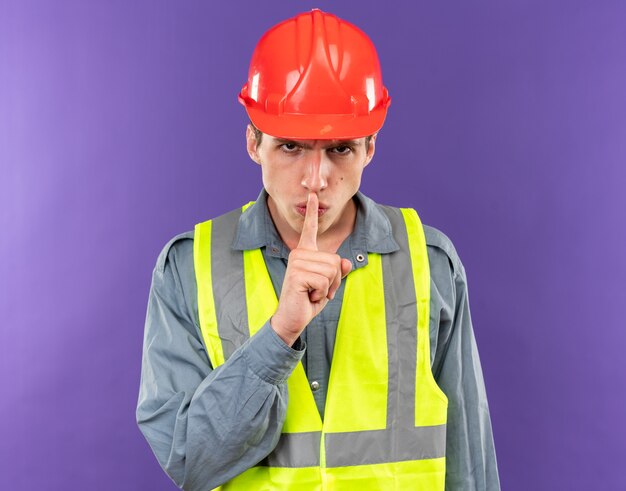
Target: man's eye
pixel 341 150
pixel 289 147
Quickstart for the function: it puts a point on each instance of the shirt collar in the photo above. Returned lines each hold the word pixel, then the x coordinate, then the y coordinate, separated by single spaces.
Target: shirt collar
pixel 372 231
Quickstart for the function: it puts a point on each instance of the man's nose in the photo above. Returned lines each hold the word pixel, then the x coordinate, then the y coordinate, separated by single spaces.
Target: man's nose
pixel 316 173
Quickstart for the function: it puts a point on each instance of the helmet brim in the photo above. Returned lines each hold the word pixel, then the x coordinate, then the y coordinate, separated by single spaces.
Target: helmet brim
pixel 318 126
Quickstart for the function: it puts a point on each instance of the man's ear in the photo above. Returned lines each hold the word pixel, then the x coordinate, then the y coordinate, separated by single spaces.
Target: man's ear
pixel 251 144
pixel 371 150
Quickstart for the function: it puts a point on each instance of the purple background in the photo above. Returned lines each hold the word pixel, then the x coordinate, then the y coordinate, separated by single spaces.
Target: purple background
pixel 119 127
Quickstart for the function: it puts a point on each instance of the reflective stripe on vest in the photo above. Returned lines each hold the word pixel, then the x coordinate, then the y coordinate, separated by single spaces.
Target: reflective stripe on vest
pixel 385 416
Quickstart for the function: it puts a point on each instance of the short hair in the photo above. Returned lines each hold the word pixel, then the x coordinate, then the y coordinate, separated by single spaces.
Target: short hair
pixel 258 136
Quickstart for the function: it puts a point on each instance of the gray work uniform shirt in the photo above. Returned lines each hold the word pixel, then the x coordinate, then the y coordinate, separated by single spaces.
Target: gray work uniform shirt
pixel 207 425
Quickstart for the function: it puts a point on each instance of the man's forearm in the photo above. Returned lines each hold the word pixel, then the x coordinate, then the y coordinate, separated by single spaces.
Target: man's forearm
pixel 232 420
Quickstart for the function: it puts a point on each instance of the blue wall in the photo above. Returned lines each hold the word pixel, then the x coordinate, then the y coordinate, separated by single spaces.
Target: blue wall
pixel 119 127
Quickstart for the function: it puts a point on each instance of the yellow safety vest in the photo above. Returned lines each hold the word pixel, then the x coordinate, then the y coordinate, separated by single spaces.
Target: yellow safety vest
pixel 385 416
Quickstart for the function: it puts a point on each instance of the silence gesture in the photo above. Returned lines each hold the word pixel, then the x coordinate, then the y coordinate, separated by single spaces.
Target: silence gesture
pixel 311 279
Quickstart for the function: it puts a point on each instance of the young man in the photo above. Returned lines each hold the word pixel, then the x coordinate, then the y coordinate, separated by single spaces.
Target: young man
pixel 314 339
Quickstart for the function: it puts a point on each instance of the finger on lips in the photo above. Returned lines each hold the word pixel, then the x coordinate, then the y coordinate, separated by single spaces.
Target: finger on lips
pixel 325 264
pixel 308 237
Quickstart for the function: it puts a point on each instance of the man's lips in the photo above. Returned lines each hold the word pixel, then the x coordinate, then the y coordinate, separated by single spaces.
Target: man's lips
pixel 301 208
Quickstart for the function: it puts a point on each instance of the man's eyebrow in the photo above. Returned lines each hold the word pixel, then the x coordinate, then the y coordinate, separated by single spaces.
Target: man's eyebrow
pixel 351 143
pixel 331 143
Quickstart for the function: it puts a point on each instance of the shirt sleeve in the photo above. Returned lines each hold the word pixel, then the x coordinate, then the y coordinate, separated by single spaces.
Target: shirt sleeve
pixel 470 452
pixel 206 425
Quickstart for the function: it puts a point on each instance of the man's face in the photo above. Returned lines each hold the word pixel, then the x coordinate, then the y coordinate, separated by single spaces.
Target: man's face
pixel 293 168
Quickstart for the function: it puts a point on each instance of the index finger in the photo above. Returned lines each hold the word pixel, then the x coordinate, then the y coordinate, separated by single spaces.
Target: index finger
pixel 308 237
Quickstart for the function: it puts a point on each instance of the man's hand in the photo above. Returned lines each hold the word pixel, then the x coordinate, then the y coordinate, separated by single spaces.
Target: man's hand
pixel 311 280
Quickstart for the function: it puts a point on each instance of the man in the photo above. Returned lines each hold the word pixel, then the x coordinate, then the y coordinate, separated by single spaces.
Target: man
pixel 314 339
